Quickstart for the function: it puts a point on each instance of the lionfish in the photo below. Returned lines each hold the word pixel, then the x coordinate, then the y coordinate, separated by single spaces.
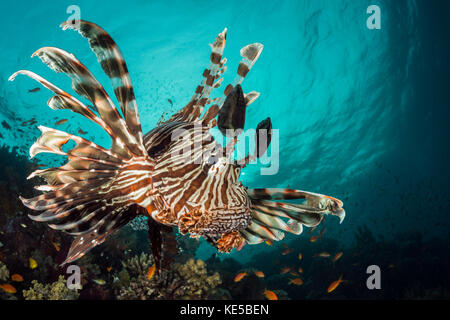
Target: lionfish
pixel 100 190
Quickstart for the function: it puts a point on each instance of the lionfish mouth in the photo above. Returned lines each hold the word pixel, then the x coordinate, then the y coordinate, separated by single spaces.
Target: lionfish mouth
pixel 225 226
pixel 228 221
pixel 336 208
pixel 214 224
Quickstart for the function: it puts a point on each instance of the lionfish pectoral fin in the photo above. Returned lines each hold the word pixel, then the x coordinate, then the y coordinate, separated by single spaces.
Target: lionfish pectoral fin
pixel 271 219
pixel 87 241
pixel 163 244
pixel 98 190
pixel 82 244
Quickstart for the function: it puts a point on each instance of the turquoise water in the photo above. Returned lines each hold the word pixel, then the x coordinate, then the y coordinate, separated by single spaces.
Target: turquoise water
pixel 362 114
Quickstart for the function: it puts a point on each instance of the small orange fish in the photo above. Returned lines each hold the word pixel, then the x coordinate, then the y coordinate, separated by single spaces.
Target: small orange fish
pixel 322 255
pixel 240 276
pixel 300 256
pixel 286 251
pixel 270 295
pixel 62 121
pixel 109 269
pixel 57 248
pixel 8 288
pixel 391 266
pixel 259 274
pixel 296 281
pixel 335 284
pixel 300 270
pixel 285 245
pixel 285 270
pixel 33 264
pixel 151 272
pixel 269 242
pixel 16 277
pixel 294 273
pixel 314 238
pixel 337 256
pixel 81 132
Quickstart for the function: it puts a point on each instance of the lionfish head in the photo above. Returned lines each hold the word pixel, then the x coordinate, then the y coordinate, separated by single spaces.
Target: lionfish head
pixel 226 211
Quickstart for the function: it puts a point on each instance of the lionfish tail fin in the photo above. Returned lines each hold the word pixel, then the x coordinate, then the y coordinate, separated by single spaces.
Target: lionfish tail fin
pixel 97 190
pixel 272 219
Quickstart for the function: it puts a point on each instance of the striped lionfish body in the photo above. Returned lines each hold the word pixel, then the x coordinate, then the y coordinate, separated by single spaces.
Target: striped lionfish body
pixel 99 190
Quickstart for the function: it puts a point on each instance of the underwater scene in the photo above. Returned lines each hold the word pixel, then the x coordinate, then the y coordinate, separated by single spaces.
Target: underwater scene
pixel 233 150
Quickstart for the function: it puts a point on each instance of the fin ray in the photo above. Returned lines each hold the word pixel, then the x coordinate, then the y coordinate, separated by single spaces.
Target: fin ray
pixel 113 64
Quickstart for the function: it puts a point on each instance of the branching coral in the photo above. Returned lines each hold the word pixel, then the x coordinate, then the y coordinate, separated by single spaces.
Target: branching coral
pixel 4 272
pixel 89 267
pixel 138 265
pixel 45 264
pixel 196 277
pixel 183 281
pixel 139 223
pixel 54 291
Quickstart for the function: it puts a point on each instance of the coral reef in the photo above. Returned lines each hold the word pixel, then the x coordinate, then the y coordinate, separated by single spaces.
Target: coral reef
pixel 184 281
pixel 219 294
pixel 88 266
pixel 138 265
pixel 13 171
pixel 55 291
pixel 195 275
pixel 4 272
pixel 139 224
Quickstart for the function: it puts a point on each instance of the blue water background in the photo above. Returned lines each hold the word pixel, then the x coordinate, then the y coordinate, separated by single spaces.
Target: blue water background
pixel 362 114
